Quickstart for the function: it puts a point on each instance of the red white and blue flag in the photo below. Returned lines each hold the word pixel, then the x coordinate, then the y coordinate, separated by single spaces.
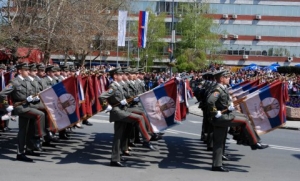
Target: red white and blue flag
pixel 161 105
pixel 61 103
pixel 142 29
pixel 266 107
pixel 244 87
pixel 239 85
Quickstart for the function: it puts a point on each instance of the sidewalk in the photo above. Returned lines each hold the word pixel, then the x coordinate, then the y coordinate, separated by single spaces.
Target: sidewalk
pixel 293 125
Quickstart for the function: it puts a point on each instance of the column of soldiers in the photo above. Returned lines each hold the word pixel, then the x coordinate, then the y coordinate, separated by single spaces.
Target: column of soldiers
pixel 34 126
pixel 121 100
pixel 219 114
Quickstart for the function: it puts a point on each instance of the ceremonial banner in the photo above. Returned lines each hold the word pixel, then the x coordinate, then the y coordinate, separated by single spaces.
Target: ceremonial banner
pixel 122 19
pixel 266 107
pixel 61 103
pixel 142 29
pixel 96 107
pixel 82 106
pixel 160 105
pixel 239 84
pixel 244 88
pixel 243 94
pixel 182 99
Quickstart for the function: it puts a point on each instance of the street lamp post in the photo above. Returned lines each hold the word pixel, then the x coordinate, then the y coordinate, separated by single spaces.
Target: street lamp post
pixel 91 48
pixel 146 62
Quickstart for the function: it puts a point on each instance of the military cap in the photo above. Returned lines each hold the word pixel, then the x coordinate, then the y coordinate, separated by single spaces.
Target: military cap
pixel 126 69
pixel 72 69
pixel 32 66
pixel 133 71
pixel 221 73
pixel 64 68
pixel 40 66
pixel 116 71
pixel 22 66
pixel 57 68
pixel 141 70
pixel 10 68
pixel 50 68
pixel 2 66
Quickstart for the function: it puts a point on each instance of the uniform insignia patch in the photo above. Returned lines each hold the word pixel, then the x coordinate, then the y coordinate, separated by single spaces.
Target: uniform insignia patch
pixel 110 91
pixel 216 94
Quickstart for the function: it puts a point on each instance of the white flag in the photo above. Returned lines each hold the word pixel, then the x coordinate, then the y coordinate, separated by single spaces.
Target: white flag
pixel 122 19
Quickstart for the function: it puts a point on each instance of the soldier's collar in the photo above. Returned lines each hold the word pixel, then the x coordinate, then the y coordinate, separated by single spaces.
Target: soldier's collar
pixel 117 83
pixel 20 76
pixel 31 78
pixel 50 78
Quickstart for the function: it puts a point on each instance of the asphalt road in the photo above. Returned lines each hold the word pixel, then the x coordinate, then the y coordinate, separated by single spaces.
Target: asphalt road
pixel 181 156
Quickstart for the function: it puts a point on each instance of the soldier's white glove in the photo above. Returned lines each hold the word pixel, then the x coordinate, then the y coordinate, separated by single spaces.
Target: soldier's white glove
pixel 109 108
pixel 124 102
pixel 219 114
pixel 29 99
pixel 36 98
pixel 231 107
pixel 9 108
pixel 136 99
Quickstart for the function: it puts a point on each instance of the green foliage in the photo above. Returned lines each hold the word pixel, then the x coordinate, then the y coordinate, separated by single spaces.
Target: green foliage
pixel 198 39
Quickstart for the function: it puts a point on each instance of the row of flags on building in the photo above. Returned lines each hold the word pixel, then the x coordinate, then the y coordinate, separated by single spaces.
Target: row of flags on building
pixel 142 28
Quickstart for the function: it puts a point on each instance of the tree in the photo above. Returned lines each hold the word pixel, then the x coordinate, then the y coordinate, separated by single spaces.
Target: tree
pixel 199 37
pixel 72 27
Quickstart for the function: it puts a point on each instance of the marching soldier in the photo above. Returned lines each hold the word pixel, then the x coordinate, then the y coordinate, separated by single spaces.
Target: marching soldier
pixel 21 92
pixel 118 114
pixel 222 111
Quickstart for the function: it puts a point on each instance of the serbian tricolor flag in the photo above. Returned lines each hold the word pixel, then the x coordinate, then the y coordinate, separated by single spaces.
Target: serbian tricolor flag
pixel 240 84
pixel 244 87
pixel 161 104
pixel 61 103
pixel 266 107
pixel 96 107
pixel 142 29
pixel 80 91
pixel 251 90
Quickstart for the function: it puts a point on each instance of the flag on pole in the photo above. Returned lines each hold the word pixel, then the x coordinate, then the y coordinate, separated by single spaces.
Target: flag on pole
pixel 142 29
pixel 61 103
pixel 161 104
pixel 122 20
pixel 2 81
pixel 266 107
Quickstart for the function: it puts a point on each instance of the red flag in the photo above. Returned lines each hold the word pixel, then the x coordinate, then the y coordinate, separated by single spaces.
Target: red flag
pixel 96 107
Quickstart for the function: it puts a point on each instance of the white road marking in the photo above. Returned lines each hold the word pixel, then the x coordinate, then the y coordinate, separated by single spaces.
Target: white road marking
pixel 233 141
pixel 196 122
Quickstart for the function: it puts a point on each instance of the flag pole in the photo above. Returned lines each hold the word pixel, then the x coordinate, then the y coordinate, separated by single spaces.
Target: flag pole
pixel 117 56
pixel 138 62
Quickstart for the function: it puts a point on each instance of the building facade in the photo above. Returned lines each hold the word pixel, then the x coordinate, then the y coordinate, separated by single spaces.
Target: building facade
pixel 253 31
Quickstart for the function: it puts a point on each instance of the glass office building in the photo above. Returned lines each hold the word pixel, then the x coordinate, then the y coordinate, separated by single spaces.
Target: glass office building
pixel 265 31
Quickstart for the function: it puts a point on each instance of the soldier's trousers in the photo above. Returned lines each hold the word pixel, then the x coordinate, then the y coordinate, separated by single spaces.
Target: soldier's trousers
pixel 38 122
pixel 119 128
pixel 220 132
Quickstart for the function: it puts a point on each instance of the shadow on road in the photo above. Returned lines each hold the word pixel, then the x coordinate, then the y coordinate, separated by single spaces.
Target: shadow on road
pixel 186 153
pixel 297 156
